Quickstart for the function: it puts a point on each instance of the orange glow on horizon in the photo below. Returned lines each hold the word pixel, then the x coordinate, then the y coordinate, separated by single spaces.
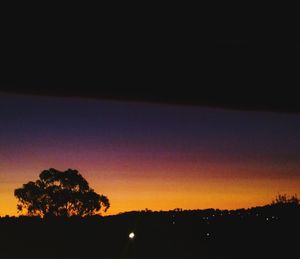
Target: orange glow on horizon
pixel 127 194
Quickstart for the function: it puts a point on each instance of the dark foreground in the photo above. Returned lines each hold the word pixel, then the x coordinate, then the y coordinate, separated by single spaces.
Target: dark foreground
pixel 267 232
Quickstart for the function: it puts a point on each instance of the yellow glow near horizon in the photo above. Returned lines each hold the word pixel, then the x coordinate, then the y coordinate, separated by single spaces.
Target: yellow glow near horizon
pixel 168 194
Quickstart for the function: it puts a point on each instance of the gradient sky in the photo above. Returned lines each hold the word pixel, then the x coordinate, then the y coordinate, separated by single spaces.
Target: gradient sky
pixel 151 156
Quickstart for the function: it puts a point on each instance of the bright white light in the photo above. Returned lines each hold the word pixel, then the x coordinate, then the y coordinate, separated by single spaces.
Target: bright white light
pixel 207 234
pixel 131 235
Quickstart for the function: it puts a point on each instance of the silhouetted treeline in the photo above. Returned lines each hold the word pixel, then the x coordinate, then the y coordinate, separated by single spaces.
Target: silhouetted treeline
pixel 262 232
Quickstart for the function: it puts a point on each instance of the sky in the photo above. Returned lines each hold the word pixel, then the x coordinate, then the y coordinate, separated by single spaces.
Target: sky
pixel 153 156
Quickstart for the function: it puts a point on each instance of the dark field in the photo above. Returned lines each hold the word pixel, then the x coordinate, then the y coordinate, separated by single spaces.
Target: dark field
pixel 265 232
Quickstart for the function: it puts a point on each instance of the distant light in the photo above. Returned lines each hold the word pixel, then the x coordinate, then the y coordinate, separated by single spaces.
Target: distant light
pixel 174 222
pixel 131 235
pixel 207 234
pixel 267 219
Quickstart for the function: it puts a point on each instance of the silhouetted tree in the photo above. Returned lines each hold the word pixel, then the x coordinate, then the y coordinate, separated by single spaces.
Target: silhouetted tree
pixel 58 193
pixel 285 199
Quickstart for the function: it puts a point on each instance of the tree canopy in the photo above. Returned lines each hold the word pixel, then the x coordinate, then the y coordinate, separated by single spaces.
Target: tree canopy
pixel 283 199
pixel 58 193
